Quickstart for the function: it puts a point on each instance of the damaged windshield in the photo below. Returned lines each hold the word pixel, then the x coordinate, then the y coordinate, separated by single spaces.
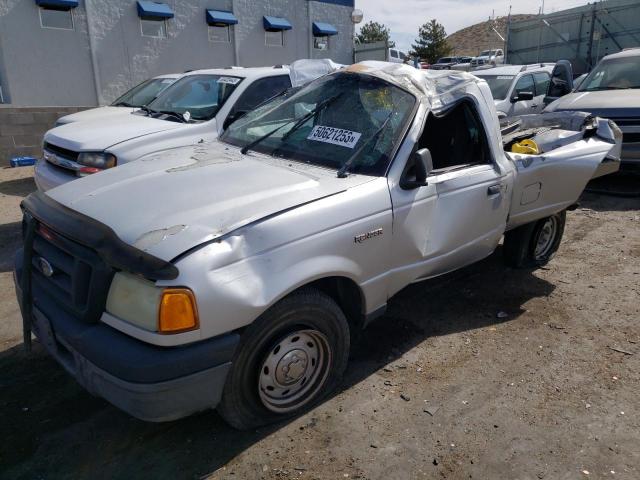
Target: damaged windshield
pixel 340 118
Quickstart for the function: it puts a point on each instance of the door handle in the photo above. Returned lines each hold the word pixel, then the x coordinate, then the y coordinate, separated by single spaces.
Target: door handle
pixel 494 190
pixel 534 105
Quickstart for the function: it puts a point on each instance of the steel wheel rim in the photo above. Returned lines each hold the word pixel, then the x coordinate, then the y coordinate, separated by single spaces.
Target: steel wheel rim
pixel 293 370
pixel 546 238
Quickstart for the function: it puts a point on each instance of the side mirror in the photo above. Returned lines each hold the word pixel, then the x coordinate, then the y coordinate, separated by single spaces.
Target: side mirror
pixel 518 97
pixel 415 174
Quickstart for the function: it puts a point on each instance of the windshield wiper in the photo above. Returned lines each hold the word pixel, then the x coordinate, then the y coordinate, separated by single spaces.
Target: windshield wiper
pixel 147 110
pixel 319 107
pixel 172 114
pixel 124 104
pixel 312 114
pixel 342 173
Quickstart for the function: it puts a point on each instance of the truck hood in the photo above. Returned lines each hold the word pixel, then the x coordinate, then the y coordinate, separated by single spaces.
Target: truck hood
pixel 101 133
pixel 94 113
pixel 174 201
pixel 604 103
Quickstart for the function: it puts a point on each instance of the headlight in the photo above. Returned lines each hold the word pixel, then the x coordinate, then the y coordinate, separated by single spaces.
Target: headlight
pixel 96 161
pixel 139 302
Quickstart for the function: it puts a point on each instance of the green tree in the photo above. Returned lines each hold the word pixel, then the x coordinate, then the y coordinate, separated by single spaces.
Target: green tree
pixel 375 32
pixel 431 43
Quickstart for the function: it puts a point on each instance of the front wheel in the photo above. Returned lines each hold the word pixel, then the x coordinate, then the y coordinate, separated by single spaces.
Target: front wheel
pixel 288 360
pixel 534 244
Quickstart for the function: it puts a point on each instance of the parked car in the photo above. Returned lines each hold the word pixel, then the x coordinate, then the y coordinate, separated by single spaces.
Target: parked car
pixel 612 89
pixel 445 63
pixel 522 89
pixel 140 95
pixel 396 56
pixel 488 57
pixel 463 65
pixel 195 109
pixel 232 273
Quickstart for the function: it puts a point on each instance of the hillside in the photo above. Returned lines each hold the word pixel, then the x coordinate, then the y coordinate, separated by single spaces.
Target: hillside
pixel 473 39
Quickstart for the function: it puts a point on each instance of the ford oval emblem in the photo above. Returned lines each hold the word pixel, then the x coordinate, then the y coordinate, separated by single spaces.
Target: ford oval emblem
pixel 45 267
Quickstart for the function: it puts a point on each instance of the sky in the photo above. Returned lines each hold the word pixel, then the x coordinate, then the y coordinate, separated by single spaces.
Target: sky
pixel 404 17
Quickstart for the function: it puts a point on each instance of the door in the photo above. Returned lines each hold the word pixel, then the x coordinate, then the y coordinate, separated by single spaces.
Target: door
pixel 521 101
pixel 460 216
pixel 542 80
pixel 548 183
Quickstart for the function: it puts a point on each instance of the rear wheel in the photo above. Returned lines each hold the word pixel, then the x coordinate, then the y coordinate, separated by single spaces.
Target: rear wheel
pixel 534 244
pixel 288 360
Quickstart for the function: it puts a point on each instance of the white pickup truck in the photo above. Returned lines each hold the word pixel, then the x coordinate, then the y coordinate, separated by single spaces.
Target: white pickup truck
pixel 231 274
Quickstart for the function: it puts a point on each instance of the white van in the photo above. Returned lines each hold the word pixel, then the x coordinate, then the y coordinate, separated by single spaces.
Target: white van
pixel 396 56
pixel 140 95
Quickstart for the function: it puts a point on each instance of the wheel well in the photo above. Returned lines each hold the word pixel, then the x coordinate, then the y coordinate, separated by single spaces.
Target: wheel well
pixel 347 294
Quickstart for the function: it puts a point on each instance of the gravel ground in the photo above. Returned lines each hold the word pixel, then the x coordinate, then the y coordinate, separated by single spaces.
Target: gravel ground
pixel 488 373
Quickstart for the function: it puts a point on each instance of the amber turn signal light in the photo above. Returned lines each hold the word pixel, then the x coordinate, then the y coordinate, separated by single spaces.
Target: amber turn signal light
pixel 178 312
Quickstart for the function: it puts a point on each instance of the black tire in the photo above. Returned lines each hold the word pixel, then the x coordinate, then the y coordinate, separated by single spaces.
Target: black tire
pixel 245 403
pixel 534 244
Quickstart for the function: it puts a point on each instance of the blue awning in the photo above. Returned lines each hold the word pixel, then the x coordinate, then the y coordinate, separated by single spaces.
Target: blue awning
pixel 64 4
pixel 276 23
pixel 322 29
pixel 219 17
pixel 154 10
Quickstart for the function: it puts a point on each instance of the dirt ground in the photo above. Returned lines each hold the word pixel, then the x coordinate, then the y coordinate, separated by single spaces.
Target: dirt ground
pixel 489 373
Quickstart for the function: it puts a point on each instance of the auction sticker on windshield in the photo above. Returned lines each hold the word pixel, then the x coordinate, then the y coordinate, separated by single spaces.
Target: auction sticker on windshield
pixel 336 136
pixel 229 80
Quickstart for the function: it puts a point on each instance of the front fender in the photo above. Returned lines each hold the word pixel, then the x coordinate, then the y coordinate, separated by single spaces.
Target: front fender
pixel 239 277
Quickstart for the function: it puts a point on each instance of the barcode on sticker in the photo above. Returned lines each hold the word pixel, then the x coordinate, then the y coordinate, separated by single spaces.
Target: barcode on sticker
pixel 229 80
pixel 336 136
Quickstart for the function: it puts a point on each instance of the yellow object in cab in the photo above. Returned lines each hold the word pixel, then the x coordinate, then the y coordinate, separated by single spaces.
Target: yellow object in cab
pixel 526 146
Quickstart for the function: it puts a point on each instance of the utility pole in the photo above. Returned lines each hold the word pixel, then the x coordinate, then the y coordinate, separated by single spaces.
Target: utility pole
pixel 506 41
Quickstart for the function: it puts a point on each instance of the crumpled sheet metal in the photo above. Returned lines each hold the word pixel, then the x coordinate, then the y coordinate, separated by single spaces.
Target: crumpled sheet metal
pixel 306 70
pixel 440 87
pixel 568 127
pixel 574 121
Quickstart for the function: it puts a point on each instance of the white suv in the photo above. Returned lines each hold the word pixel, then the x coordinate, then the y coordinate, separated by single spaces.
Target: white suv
pixel 194 109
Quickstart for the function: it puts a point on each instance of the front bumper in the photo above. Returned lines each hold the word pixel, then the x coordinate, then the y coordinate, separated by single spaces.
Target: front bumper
pixel 630 156
pixel 48 176
pixel 149 382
